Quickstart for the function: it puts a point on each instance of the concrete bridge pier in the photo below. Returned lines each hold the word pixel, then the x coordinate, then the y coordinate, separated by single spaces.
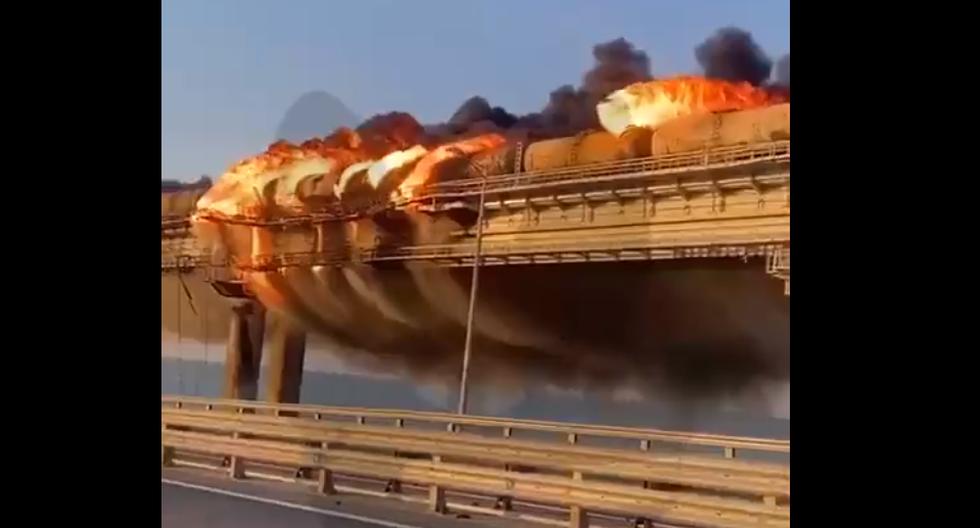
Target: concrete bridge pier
pixel 284 363
pixel 244 353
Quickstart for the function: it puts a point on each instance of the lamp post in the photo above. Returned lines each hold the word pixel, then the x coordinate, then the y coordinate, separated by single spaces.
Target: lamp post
pixel 474 287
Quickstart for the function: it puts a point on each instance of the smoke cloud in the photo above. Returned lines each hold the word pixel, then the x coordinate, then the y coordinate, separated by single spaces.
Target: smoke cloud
pixel 569 110
pixel 782 71
pixel 732 55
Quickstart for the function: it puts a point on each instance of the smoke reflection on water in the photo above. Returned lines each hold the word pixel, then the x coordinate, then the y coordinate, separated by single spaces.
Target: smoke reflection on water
pixel 540 403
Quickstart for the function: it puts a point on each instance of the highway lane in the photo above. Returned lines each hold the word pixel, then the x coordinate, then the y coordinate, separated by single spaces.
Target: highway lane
pixel 192 508
pixel 191 500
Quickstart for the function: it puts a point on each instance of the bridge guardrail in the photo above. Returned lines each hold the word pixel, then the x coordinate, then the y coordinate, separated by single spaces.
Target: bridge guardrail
pixel 758 245
pixel 603 172
pixel 750 479
pixel 707 491
pixel 508 426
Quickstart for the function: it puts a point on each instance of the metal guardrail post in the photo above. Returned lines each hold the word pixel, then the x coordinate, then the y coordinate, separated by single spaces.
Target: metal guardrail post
pixel 236 468
pixel 325 482
pixel 437 499
pixel 577 516
pixel 167 456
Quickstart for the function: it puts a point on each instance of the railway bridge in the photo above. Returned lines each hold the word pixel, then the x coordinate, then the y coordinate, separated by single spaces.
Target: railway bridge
pixel 729 202
pixel 724 202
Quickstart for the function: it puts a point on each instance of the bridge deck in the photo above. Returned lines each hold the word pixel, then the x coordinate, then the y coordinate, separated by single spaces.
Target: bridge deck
pixel 726 202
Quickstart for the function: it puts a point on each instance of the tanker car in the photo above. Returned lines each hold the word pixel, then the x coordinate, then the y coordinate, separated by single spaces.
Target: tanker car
pixel 683 134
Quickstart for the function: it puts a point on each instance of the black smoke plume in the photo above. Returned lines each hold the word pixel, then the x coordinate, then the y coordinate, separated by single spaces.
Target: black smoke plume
pixel 782 71
pixel 732 55
pixel 569 110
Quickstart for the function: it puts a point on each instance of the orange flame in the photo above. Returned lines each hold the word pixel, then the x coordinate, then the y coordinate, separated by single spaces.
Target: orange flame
pixel 257 186
pixel 650 104
pixel 423 171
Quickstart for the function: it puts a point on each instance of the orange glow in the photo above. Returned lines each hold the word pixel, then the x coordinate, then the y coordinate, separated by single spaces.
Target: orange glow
pixel 422 173
pixel 269 183
pixel 650 104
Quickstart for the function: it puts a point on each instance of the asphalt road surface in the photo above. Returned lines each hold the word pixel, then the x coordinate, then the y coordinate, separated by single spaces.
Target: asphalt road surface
pixel 189 501
pixel 192 508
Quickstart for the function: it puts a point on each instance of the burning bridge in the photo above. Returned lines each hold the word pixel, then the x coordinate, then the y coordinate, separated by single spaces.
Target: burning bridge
pixel 728 202
pixel 724 202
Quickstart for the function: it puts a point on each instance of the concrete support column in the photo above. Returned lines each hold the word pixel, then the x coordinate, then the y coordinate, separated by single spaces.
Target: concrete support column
pixel 243 358
pixel 284 368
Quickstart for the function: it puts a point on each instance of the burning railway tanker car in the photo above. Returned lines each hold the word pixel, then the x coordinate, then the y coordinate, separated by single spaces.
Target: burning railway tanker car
pixel 706 326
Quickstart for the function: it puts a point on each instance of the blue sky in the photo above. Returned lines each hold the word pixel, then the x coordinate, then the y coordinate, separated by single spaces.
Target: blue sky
pixel 231 68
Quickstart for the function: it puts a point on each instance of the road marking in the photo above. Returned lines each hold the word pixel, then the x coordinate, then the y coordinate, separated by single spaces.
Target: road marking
pixel 291 505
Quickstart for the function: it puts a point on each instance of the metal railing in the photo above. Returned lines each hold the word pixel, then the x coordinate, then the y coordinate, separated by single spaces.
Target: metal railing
pixel 500 253
pixel 612 171
pixel 647 482
pixel 451 421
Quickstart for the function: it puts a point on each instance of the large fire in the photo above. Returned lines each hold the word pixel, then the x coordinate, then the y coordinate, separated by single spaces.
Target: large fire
pixel 650 104
pixel 652 323
pixel 456 150
pixel 270 182
pixel 393 147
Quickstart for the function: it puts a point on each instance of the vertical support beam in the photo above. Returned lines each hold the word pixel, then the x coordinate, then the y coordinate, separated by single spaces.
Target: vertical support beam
pixel 319 239
pixel 258 245
pixel 244 352
pixel 287 349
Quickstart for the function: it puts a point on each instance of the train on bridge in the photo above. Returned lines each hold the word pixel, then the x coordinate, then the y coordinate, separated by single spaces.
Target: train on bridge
pixel 634 257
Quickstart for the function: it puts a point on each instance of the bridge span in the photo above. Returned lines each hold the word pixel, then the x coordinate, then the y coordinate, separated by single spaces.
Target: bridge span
pixel 728 202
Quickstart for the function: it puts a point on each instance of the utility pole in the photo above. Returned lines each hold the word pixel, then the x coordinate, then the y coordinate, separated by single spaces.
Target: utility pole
pixel 474 288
